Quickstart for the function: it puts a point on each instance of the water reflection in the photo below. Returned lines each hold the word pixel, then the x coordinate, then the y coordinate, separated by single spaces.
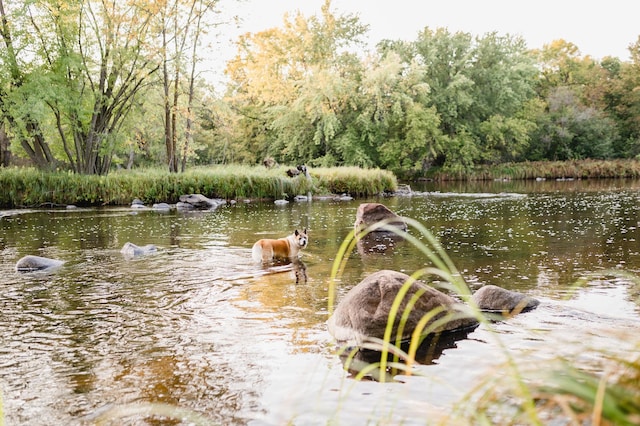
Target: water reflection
pixel 377 243
pixel 199 325
pixel 364 362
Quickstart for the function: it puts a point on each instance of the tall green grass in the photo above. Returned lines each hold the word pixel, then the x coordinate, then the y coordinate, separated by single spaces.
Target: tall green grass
pixel 28 187
pixel 515 395
pixel 577 169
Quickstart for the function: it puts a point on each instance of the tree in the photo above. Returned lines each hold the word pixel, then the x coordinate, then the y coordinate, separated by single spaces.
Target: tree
pixel 14 94
pixel 572 131
pixel 181 24
pixel 293 86
pixel 479 88
pixel 623 101
pixel 394 118
pixel 89 60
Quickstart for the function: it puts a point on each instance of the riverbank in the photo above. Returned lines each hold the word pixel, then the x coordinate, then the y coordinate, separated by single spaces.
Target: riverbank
pixel 576 169
pixel 28 187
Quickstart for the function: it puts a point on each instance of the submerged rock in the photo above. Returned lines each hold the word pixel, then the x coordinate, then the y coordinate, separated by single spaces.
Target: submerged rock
pixel 31 263
pixel 491 298
pixel 161 207
pixel 130 249
pixel 137 204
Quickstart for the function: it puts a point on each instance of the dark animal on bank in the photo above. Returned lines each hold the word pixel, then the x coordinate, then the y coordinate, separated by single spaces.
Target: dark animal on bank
pixel 299 169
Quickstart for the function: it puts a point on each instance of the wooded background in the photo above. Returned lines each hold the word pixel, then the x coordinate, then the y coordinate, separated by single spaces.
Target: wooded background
pixel 89 86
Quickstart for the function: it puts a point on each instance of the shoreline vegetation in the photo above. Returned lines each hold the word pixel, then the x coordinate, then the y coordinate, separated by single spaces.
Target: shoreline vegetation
pixel 29 187
pixel 576 169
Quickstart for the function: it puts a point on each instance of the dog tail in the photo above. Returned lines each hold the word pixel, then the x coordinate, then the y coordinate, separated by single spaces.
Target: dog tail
pixel 256 252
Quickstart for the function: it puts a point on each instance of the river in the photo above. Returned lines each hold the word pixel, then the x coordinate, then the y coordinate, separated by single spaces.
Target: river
pixel 199 326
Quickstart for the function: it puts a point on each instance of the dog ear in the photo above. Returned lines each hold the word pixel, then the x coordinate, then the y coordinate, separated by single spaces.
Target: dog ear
pixel 296 233
pixel 305 231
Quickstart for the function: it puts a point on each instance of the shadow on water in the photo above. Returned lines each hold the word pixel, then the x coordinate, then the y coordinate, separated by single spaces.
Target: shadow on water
pixel 378 243
pixel 432 347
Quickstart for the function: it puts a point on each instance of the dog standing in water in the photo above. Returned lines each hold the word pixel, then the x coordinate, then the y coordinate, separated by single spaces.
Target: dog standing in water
pixel 267 250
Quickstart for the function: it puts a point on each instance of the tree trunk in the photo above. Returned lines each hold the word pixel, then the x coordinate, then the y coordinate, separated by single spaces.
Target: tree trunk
pixel 174 118
pixel 5 153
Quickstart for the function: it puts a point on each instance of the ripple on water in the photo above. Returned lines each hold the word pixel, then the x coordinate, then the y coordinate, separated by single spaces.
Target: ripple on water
pixel 199 325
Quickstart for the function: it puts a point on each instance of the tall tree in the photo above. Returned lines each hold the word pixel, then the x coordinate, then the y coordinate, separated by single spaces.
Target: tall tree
pixel 292 85
pixel 479 87
pixel 182 24
pixel 15 96
pixel 394 117
pixel 623 101
pixel 87 62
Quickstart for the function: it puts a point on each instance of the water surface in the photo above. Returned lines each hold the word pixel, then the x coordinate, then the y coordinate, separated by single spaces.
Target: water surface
pixel 199 325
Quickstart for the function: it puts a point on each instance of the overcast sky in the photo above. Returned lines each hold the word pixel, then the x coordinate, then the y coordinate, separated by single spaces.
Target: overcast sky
pixel 599 28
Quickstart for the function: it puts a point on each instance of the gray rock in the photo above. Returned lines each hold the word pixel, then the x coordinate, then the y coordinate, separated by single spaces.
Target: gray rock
pixel 371 213
pixel 161 207
pixel 364 310
pixel 132 250
pixel 199 201
pixel 184 206
pixel 404 189
pixel 32 263
pixel 491 298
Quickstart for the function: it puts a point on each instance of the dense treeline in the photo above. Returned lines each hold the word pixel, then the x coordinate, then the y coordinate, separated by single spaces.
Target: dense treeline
pixel 90 86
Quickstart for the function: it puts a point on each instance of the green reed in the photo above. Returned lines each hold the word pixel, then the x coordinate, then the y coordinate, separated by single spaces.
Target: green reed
pixel 557 390
pixel 577 169
pixel 29 187
pixel 443 274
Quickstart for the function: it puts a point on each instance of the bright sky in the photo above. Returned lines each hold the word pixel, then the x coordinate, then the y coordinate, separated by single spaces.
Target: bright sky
pixel 598 28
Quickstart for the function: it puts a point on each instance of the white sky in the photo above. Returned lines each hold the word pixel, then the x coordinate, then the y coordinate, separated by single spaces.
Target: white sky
pixel 598 28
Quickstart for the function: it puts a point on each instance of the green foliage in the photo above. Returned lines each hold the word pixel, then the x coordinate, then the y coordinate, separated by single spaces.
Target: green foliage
pixel 571 130
pixel 354 180
pixel 575 169
pixel 479 88
pixel 301 93
pixel 28 187
pixel 303 79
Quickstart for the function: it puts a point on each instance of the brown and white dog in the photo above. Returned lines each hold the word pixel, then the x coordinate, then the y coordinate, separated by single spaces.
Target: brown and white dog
pixel 267 250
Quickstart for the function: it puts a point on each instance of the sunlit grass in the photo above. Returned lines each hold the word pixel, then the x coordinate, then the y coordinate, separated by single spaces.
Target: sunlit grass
pixel 29 187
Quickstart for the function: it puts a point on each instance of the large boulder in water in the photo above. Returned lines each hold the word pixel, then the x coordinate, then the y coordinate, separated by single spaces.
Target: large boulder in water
pixel 32 263
pixel 364 311
pixel 491 298
pixel 371 213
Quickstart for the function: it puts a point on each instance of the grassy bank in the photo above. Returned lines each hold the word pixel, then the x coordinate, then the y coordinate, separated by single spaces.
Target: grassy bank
pixel 27 187
pixel 578 169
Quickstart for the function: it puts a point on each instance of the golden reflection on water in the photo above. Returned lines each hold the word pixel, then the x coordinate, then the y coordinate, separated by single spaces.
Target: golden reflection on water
pixel 199 325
